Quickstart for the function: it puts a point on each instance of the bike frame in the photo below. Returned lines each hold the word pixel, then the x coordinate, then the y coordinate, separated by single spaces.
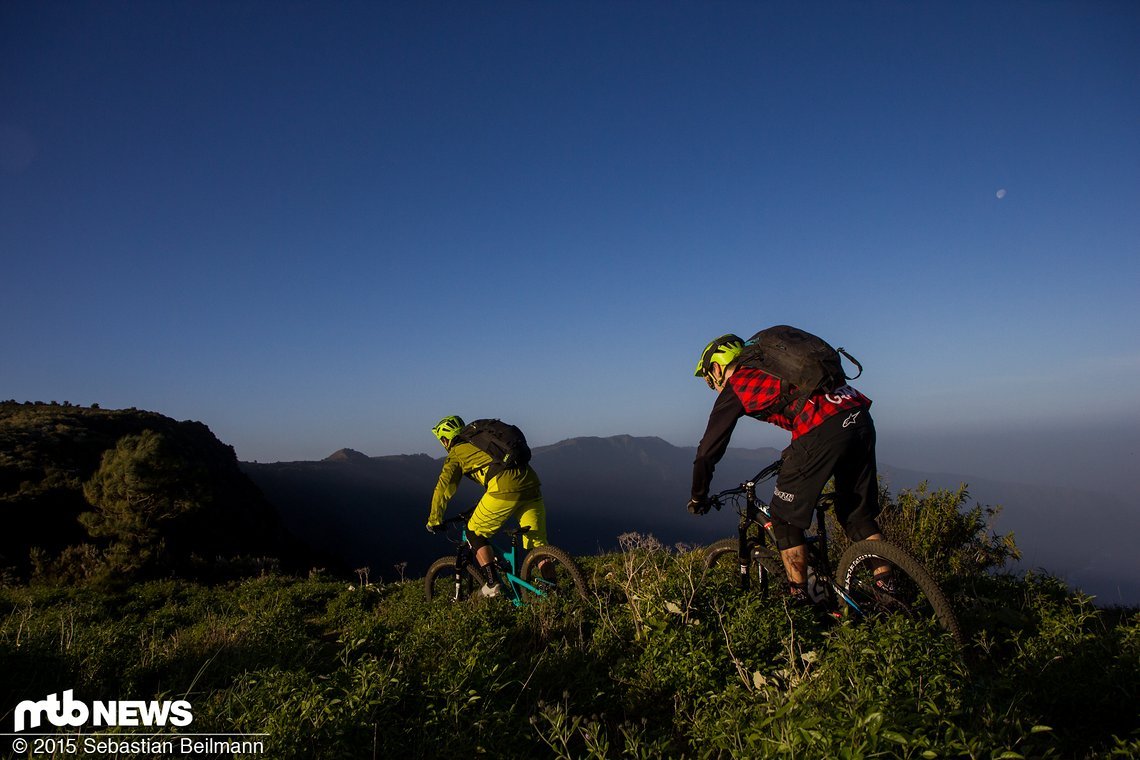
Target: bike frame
pixel 750 519
pixel 512 558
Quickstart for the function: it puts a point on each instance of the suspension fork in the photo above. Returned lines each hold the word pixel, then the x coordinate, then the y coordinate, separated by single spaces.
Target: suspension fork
pixel 764 534
pixel 744 551
pixel 464 557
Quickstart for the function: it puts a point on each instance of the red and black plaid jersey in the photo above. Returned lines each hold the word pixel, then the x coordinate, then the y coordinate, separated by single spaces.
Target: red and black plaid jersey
pixel 759 392
pixel 755 393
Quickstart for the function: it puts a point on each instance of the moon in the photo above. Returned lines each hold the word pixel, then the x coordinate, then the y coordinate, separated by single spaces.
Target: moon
pixel 1001 193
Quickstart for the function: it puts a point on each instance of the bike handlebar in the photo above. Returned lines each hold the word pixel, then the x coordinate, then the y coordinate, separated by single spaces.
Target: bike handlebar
pixel 458 521
pixel 717 499
pixel 462 517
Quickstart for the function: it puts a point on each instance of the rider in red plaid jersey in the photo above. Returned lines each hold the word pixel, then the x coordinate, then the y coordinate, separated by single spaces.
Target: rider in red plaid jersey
pixel 832 435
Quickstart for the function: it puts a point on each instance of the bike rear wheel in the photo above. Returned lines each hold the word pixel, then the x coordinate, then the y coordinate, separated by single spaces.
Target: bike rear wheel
pixel 915 594
pixel 765 566
pixel 439 583
pixel 554 572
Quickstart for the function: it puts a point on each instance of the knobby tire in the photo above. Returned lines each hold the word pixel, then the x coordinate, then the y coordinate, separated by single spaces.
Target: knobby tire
pixel 439 582
pixel 724 554
pixel 920 595
pixel 567 572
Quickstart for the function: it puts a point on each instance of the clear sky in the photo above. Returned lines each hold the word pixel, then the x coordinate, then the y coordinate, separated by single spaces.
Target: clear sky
pixel 323 225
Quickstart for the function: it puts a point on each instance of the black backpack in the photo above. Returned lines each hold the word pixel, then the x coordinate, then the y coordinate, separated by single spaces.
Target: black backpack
pixel 804 363
pixel 502 441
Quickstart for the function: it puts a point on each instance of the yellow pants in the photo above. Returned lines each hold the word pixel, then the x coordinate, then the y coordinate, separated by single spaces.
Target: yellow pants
pixel 493 510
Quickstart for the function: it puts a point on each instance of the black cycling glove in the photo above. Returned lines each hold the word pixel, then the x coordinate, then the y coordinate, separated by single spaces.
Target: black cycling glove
pixel 698 506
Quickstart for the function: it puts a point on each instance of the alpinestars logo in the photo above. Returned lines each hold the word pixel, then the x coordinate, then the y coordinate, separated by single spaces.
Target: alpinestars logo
pixel 71 712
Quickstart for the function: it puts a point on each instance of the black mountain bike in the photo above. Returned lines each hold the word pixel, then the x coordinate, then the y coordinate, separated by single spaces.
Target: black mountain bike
pixel 852 589
pixel 545 571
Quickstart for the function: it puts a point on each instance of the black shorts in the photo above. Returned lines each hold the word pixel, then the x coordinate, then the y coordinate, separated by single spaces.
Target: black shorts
pixel 843 446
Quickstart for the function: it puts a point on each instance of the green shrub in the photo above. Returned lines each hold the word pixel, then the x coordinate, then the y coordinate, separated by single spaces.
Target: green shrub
pixel 948 538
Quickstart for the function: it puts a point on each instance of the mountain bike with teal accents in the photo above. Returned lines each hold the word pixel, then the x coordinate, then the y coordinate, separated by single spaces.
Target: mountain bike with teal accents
pixel 545 571
pixel 855 590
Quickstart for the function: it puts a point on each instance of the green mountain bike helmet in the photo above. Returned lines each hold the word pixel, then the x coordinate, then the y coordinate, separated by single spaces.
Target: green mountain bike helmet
pixel 722 351
pixel 447 428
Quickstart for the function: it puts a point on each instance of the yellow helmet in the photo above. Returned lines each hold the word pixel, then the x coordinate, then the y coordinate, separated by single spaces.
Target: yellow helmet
pixel 722 351
pixel 447 428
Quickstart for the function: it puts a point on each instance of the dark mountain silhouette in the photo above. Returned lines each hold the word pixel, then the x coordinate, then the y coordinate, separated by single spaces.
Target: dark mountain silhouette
pixel 346 455
pixel 49 451
pixel 371 510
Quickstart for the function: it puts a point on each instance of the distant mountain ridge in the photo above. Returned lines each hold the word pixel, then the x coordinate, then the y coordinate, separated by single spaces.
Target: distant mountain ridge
pixel 346 455
pixel 372 509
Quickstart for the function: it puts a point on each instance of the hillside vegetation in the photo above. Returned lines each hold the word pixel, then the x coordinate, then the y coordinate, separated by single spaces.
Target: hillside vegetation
pixel 660 661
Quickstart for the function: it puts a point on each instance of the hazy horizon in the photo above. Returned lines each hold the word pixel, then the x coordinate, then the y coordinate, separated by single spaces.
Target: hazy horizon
pixel 1083 459
pixel 317 226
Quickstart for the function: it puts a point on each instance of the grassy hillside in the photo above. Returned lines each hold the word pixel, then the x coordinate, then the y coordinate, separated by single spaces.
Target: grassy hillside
pixel 658 663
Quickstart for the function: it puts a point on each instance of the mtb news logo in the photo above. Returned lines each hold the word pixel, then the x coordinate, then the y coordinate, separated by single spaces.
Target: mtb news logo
pixel 74 713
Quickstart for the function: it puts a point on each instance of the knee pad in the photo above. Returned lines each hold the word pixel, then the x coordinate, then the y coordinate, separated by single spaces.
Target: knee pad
pixel 787 535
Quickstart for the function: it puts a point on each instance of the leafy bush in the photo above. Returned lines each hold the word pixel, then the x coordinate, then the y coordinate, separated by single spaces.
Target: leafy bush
pixel 950 538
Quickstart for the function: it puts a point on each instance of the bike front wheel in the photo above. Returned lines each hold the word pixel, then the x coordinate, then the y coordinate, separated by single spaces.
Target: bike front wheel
pixel 722 560
pixel 554 572
pixel 440 582
pixel 911 591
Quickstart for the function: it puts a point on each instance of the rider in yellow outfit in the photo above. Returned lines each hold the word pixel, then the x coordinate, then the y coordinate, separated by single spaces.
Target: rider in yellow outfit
pixel 511 492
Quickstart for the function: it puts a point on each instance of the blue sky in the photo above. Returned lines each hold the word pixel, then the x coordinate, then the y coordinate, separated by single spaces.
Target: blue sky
pixel 319 225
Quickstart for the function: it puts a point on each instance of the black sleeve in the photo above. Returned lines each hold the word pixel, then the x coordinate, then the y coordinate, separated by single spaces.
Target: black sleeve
pixel 722 421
